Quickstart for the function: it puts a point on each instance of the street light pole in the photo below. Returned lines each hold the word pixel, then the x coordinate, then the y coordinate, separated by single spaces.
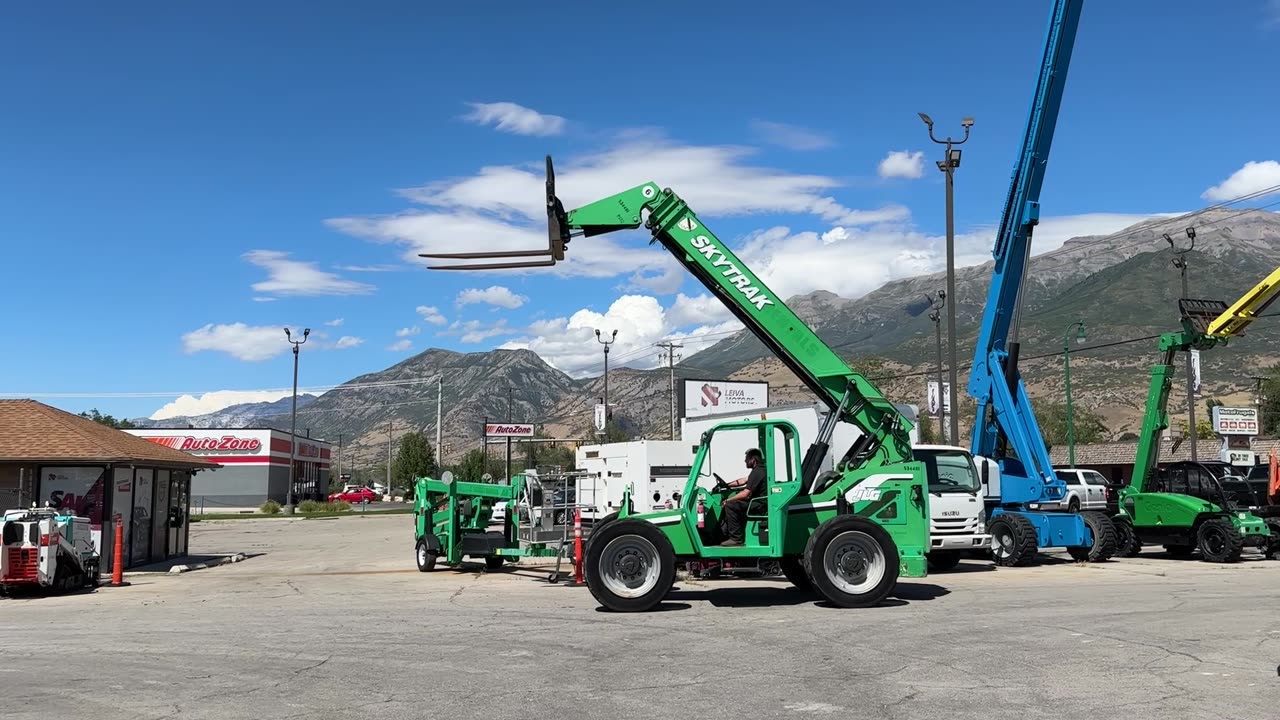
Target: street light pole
pixel 1180 262
pixel 293 422
pixel 948 166
pixel 608 415
pixel 1066 359
pixel 935 307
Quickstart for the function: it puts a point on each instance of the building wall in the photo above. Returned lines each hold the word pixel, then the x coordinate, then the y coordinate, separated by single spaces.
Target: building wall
pixel 232 486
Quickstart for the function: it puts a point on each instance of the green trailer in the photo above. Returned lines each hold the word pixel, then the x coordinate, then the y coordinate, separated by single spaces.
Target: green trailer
pixel 452 520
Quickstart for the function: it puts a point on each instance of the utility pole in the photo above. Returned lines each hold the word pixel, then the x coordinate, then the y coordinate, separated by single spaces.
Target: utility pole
pixel 670 356
pixel 439 421
pixel 1180 262
pixel 390 421
pixel 948 166
pixel 935 314
pixel 293 422
pixel 339 457
pixel 1078 326
pixel 608 413
pixel 510 390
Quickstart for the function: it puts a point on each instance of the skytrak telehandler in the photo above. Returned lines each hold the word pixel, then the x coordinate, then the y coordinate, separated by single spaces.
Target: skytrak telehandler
pixel 849 533
pixel 1173 515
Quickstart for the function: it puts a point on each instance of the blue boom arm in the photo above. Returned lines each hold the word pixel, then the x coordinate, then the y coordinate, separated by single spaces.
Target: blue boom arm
pixel 1005 418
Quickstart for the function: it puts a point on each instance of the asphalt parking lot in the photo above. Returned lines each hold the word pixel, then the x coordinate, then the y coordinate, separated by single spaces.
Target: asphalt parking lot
pixel 331 619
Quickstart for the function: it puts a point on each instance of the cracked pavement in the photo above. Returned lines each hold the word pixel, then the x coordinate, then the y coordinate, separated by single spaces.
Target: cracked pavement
pixel 332 620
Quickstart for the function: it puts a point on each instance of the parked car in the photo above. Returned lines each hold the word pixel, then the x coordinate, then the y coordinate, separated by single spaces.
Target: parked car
pixel 1086 490
pixel 355 495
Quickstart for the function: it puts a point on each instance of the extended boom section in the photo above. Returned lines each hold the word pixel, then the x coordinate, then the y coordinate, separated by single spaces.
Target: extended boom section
pixel 848 534
pixel 1026 506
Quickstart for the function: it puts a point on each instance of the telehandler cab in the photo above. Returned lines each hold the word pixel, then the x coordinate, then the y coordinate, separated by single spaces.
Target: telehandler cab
pixel 849 534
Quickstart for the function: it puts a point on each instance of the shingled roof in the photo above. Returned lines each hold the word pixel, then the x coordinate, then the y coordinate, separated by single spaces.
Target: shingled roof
pixel 31 431
pixel 1124 453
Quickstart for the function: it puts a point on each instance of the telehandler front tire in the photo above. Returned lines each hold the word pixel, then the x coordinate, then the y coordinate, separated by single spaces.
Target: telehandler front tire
pixel 1219 541
pixel 1104 538
pixel 851 561
pixel 1013 540
pixel 630 565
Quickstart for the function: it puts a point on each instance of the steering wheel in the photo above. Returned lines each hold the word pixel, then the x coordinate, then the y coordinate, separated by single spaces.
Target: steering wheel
pixel 721 485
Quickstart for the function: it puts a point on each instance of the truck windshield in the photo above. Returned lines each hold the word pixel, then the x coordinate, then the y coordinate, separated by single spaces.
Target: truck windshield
pixel 950 471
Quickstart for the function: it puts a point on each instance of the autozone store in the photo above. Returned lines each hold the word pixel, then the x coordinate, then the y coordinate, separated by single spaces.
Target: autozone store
pixel 255 465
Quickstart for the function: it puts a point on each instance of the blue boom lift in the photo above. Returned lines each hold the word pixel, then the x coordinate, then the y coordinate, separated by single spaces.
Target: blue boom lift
pixel 1018 521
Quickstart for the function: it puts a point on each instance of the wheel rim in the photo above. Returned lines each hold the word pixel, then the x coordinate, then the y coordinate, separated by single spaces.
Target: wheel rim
pixel 629 566
pixel 1002 542
pixel 854 562
pixel 422 554
pixel 1214 541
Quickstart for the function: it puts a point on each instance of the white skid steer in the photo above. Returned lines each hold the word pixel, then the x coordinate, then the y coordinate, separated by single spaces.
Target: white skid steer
pixel 46 548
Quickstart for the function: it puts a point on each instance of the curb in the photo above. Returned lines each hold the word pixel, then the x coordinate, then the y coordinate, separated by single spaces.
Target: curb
pixel 205 565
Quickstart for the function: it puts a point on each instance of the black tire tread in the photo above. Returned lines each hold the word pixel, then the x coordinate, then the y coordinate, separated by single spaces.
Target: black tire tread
pixel 1235 543
pixel 1104 538
pixel 1025 545
pixel 1128 543
pixel 816 546
pixel 793 570
pixel 666 558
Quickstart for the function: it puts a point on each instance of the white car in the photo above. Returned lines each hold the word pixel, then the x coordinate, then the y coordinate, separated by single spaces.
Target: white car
pixel 1086 490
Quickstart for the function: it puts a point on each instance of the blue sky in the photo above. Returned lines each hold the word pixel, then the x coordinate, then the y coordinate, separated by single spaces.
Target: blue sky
pixel 180 183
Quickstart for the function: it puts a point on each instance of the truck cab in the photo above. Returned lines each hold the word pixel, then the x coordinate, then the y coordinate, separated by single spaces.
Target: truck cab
pixel 957 515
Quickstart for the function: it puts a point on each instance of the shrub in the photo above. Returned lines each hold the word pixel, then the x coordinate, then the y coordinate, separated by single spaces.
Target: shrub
pixel 270 507
pixel 308 506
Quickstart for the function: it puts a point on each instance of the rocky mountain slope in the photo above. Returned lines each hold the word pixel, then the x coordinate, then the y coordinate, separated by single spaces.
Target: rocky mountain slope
pixel 242 415
pixel 1122 286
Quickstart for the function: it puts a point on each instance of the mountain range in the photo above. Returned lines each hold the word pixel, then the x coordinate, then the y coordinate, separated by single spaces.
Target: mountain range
pixel 1123 287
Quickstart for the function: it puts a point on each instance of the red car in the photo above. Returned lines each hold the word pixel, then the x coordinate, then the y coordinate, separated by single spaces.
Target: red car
pixel 355 495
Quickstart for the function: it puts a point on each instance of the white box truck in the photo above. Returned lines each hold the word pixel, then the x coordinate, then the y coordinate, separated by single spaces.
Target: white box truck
pixel 655 470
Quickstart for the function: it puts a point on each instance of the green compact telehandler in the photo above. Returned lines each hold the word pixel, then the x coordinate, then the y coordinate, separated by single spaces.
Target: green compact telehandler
pixel 1182 520
pixel 848 534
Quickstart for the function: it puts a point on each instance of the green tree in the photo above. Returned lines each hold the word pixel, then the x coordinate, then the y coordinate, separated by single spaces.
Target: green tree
pixel 927 432
pixel 107 420
pixel 1052 418
pixel 415 458
pixel 473 466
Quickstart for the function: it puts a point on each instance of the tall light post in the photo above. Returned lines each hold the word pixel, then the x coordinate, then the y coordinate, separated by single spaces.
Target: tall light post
pixel 1180 262
pixel 935 314
pixel 293 422
pixel 1066 360
pixel 948 165
pixel 608 415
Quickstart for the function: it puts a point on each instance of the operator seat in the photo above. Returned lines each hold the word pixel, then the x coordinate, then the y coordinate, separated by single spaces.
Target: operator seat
pixel 824 481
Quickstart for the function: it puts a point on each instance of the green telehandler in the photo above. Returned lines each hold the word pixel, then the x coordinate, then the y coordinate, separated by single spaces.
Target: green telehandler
pixel 848 534
pixel 1165 510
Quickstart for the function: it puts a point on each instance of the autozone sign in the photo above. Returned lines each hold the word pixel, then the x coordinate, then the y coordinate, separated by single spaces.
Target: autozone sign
pixel 226 443
pixel 508 430
pixel 1235 421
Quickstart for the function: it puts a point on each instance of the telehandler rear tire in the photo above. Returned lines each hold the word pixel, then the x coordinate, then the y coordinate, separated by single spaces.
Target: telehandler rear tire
pixel 630 565
pixel 1219 541
pixel 793 570
pixel 851 561
pixel 1013 540
pixel 1128 544
pixel 1104 538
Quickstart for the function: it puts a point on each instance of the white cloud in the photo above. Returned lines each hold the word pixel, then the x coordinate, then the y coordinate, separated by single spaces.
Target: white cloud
pixel 495 295
pixel 570 343
pixel 516 119
pixel 336 322
pixel 187 405
pixel 474 331
pixel 400 346
pixel 366 268
pixel 294 277
pixel 347 341
pixel 903 164
pixel 505 204
pixel 241 341
pixel 264 299
pixel 430 314
pixel 790 136
pixel 1252 177
pixel 406 332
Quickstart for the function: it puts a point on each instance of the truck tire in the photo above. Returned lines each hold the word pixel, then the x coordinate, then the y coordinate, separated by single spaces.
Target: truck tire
pixel 1219 541
pixel 851 561
pixel 942 560
pixel 1128 544
pixel 595 526
pixel 493 562
pixel 630 565
pixel 1104 538
pixel 793 570
pixel 426 556
pixel 1013 540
